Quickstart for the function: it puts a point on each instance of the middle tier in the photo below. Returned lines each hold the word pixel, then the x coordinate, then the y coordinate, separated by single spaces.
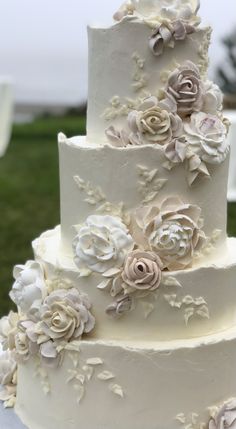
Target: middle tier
pixel 199 302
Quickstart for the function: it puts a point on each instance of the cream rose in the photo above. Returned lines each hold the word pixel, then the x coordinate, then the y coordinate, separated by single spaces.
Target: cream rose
pixel 65 315
pixel 206 135
pixel 7 367
pixel 185 87
pixel 142 271
pixel 225 418
pixel 102 243
pixel 29 285
pixel 153 123
pixel 172 230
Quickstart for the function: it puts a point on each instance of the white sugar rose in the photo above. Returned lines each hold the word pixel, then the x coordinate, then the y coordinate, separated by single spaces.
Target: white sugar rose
pixel 7 367
pixel 142 271
pixel 207 137
pixel 225 418
pixel 153 123
pixel 173 231
pixel 65 315
pixel 29 286
pixel 102 243
pixel 212 99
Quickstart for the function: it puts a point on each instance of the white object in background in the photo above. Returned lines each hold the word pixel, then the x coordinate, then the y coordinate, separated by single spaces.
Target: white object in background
pixel 231 115
pixel 6 113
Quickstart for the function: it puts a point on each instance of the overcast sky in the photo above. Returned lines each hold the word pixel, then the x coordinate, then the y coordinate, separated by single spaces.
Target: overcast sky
pixel 43 44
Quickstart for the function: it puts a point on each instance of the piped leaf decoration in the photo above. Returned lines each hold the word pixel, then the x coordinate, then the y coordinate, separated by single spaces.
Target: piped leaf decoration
pixel 170 281
pixel 105 375
pixel 117 390
pixel 203 312
pixel 72 375
pixel 89 371
pixel 148 308
pixel 188 313
pixel 181 418
pixel 149 185
pixel 94 361
pixel 80 392
pixel 105 284
pixel 95 194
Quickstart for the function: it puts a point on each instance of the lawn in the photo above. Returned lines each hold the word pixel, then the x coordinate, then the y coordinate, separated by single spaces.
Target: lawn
pixel 29 192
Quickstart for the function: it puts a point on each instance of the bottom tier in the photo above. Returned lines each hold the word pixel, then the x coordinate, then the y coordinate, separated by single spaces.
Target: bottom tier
pixel 113 385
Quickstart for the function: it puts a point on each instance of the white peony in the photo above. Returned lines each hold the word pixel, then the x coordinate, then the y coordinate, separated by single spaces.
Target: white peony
pixel 29 285
pixel 7 367
pixel 102 243
pixel 207 137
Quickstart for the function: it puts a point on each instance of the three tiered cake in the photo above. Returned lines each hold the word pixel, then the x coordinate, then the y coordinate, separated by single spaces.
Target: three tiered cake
pixel 127 316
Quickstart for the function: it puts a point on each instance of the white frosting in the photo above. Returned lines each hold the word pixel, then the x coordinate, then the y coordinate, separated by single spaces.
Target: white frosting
pixel 175 312
pixel 132 71
pixel 114 176
pixel 134 385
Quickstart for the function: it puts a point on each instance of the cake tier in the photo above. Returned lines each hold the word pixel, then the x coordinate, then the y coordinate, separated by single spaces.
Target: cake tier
pixel 115 385
pixel 93 175
pixel 115 82
pixel 202 302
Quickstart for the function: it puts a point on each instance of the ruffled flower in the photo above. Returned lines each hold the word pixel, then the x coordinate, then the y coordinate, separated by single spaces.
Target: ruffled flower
pixel 225 417
pixel 23 347
pixel 28 289
pixel 8 378
pixel 7 367
pixel 166 33
pixel 8 327
pixel 185 87
pixel 172 230
pixel 142 271
pixel 126 9
pixel 102 243
pixel 65 315
pixel 206 135
pixel 213 98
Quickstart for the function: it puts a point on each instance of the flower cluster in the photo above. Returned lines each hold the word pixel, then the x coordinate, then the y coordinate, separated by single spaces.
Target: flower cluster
pixel 171 20
pixel 131 259
pixel 46 320
pixel 224 416
pixel 187 122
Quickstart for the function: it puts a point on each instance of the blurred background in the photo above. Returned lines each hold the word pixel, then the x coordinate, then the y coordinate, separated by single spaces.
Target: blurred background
pixel 43 70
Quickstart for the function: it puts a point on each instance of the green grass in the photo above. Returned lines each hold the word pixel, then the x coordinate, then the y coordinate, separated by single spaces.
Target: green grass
pixel 29 192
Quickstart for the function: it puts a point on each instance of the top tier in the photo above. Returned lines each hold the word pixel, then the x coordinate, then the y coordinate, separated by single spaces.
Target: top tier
pixel 131 60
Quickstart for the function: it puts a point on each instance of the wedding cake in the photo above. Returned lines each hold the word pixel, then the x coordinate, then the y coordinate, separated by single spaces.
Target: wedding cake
pixel 127 316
